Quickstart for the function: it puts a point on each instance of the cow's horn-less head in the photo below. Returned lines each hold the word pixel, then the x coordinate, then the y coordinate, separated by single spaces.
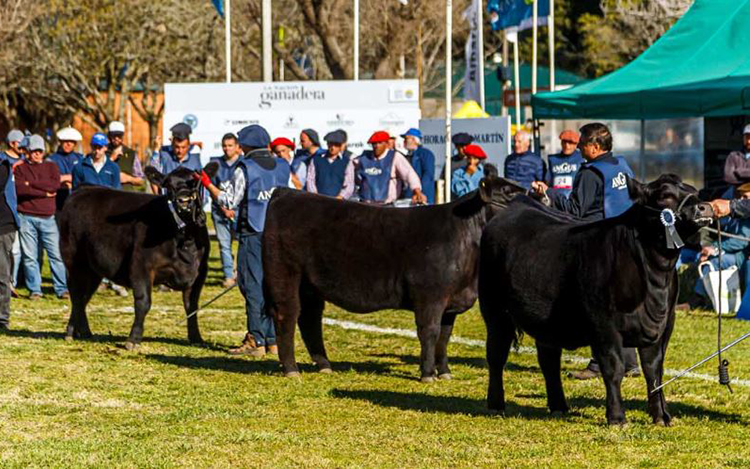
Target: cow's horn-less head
pixel 675 206
pixel 184 193
pixel 497 192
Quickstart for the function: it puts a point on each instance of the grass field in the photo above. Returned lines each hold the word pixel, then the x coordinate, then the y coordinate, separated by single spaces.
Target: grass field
pixel 92 403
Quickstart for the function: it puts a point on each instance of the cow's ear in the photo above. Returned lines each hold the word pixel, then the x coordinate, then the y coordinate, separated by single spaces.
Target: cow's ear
pixel 211 169
pixel 154 175
pixel 638 191
pixel 485 189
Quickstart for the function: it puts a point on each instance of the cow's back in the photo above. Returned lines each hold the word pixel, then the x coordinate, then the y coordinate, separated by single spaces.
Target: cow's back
pixel 366 258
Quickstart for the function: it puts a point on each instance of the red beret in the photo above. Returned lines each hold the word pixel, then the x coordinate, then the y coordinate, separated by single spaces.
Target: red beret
pixel 475 151
pixel 379 136
pixel 282 141
pixel 569 136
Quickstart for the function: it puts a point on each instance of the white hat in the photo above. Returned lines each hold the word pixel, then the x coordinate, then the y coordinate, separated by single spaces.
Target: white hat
pixel 116 127
pixel 69 134
pixel 747 130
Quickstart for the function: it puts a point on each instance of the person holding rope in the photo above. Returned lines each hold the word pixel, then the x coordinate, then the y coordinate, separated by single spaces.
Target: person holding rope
pixel 599 191
pixel 257 175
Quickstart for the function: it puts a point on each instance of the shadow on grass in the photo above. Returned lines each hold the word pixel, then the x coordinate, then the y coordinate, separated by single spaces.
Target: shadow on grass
pixel 472 362
pixel 109 339
pixel 244 365
pixel 676 409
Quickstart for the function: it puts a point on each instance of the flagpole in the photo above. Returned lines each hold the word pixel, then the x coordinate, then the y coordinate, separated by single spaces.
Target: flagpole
pixel 356 39
pixel 267 38
pixel 551 32
pixel 228 38
pixel 513 37
pixel 535 18
pixel 480 39
pixel 448 94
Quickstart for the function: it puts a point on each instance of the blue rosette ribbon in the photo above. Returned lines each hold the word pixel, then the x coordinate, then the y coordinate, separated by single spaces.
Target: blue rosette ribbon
pixel 668 219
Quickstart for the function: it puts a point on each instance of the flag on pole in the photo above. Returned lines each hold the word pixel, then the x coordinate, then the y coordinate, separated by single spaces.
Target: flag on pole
pixel 472 84
pixel 219 5
pixel 506 14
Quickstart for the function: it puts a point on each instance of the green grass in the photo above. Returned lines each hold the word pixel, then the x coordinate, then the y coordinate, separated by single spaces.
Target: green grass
pixel 92 403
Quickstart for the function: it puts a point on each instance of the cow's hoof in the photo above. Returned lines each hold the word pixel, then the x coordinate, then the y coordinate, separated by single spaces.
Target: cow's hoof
pixel 428 379
pixel 195 340
pixel 445 376
pixel 327 370
pixel 663 422
pixel 496 412
pixel 68 338
pixel 292 374
pixel 131 345
pixel 557 414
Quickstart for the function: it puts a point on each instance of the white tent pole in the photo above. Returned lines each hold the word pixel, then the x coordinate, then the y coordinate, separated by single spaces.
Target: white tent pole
pixel 228 38
pixel 448 94
pixel 517 81
pixel 356 39
pixel 267 38
pixel 535 27
pixel 480 39
pixel 551 32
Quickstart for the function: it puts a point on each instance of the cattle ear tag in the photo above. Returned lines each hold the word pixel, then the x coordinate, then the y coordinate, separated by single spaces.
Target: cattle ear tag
pixel 668 219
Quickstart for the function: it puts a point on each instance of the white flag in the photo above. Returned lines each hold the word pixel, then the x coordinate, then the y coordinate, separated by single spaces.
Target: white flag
pixel 471 78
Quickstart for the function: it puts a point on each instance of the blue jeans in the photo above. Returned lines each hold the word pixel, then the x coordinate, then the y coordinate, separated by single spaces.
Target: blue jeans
pixel 33 229
pixel 250 281
pixel 727 261
pixel 223 227
pixel 16 260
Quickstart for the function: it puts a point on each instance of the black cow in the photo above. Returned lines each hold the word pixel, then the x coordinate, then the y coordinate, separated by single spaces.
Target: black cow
pixel 608 284
pixel 366 258
pixel 136 240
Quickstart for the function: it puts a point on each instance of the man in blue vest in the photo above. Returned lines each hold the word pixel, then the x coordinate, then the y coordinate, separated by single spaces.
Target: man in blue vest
pixel 223 217
pixel 564 166
pixel 66 158
pixel 600 191
pixel 309 143
pixel 332 173
pixel 170 157
pixel 254 179
pixel 380 171
pixel 96 169
pixel 9 224
pixel 423 162
pixel 523 165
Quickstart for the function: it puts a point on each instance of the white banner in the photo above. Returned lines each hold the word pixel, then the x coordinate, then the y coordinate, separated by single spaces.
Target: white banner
pixel 472 51
pixel 285 108
pixel 492 134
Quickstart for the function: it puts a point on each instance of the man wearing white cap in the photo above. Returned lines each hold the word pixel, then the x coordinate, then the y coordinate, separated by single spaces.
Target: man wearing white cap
pixel 65 158
pixel 131 171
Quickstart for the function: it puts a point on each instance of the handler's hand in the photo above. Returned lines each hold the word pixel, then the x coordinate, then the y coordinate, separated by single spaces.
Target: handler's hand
pixel 707 252
pixel 203 178
pixel 418 198
pixel 720 207
pixel 539 187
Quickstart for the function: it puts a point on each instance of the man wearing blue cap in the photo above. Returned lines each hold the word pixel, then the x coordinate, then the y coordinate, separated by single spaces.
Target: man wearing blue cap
pixel 423 162
pixel 8 227
pixel 257 175
pixel 171 157
pixel 13 152
pixel 96 169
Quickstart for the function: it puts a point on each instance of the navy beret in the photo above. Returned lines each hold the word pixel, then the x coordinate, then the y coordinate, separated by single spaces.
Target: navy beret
pixel 462 138
pixel 335 137
pixel 181 130
pixel 253 136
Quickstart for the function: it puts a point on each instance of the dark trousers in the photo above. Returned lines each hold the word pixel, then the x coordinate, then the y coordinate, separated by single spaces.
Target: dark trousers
pixel 250 281
pixel 6 275
pixel 628 356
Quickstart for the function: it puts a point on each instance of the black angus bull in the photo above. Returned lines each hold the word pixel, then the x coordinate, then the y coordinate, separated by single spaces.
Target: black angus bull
pixel 366 258
pixel 608 284
pixel 136 240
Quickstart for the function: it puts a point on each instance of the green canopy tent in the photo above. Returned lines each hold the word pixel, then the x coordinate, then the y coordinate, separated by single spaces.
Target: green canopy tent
pixel 700 67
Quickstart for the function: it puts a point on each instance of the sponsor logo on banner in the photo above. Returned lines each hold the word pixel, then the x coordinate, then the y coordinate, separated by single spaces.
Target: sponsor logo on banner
pixel 291 123
pixel 391 120
pixel 273 94
pixel 191 120
pixel 340 121
pixel 240 122
pixel 402 95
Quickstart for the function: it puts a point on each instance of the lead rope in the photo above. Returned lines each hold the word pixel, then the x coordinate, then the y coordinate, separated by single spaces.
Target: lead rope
pixel 723 363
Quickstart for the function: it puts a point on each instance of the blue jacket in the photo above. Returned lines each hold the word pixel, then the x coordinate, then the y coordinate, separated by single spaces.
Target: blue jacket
pixel 303 156
pixel 9 191
pixel 6 156
pixel 65 161
pixel 166 162
pixel 463 183
pixel 525 168
pixel 423 162
pixel 85 174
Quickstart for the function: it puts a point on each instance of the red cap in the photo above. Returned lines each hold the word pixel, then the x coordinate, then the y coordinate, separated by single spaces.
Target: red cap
pixel 282 141
pixel 569 136
pixel 379 136
pixel 475 151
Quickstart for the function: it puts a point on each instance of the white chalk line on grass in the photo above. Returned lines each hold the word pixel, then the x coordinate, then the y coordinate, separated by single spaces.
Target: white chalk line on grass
pixel 480 343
